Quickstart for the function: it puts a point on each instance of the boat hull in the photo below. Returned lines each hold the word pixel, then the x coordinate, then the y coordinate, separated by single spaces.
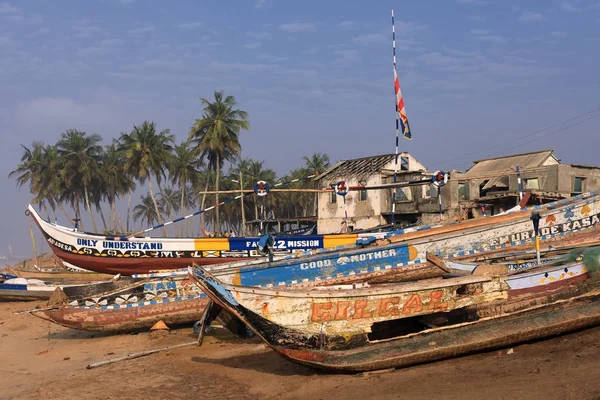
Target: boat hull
pixel 115 318
pixel 550 320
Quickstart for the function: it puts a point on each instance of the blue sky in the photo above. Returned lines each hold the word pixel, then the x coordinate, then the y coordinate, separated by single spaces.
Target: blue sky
pixel 478 77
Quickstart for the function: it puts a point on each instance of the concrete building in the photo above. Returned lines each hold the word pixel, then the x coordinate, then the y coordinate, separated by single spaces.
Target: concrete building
pixel 367 209
pixel 492 183
pixel 489 187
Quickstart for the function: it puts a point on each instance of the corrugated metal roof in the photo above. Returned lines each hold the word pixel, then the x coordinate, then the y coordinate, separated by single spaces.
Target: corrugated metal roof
pixel 358 166
pixel 507 164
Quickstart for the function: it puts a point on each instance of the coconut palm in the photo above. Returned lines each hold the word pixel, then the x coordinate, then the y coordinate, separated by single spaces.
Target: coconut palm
pixel 168 201
pixel 80 156
pixel 216 135
pixel 117 181
pixel 146 210
pixel 29 168
pixel 316 164
pixel 185 169
pixel 147 153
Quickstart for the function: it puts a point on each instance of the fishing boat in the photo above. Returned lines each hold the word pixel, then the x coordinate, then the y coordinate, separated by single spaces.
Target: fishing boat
pixel 138 255
pixel 58 275
pixel 392 326
pixel 404 248
pixel 129 306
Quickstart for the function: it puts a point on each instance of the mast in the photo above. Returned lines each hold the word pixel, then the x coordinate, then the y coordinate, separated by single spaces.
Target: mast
pixel 401 120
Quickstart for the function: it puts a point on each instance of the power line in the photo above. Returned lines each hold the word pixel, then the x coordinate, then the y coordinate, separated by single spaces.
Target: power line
pixel 495 147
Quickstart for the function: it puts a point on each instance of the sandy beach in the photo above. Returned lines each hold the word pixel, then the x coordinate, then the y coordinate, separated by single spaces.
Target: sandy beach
pixel 41 360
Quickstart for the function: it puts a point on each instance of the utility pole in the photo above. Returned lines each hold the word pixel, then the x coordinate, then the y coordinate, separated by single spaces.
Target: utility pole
pixel 243 232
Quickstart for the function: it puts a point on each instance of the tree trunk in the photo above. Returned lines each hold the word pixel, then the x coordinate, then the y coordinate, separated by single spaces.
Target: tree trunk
pixel 202 224
pixel 128 211
pixel 218 225
pixel 113 210
pixel 87 204
pixel 183 226
pixel 78 212
pixel 151 191
pixel 103 219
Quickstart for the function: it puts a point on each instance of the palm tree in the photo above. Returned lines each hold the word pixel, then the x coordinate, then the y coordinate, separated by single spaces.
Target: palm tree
pixel 316 164
pixel 168 202
pixel 216 135
pixel 185 168
pixel 28 170
pixel 116 180
pixel 147 153
pixel 80 155
pixel 146 210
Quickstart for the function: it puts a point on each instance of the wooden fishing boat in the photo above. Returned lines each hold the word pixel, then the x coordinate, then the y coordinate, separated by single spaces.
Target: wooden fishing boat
pixel 137 255
pixel 14 288
pixel 130 306
pixel 404 324
pixel 404 248
pixel 61 275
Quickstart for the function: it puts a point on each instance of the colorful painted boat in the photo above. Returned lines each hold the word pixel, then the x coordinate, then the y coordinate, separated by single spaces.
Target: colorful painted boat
pixel 137 255
pixel 404 324
pixel 131 306
pixel 404 250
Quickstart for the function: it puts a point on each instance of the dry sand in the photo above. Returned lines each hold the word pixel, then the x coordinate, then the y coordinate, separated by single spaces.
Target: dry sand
pixel 39 360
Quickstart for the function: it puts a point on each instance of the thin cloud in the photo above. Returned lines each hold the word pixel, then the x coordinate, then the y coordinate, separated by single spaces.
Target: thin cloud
pixel 477 2
pixel 241 66
pixel 84 28
pixel 298 27
pixel 6 8
pixel 487 36
pixel 259 35
pixel 370 39
pixel 111 42
pixel 558 34
pixel 530 16
pixel 348 24
pixel 190 25
pixel 127 2
pixel 260 4
pixel 142 30
pixel 569 7
pixel 476 18
pixel 253 45
pixel 350 55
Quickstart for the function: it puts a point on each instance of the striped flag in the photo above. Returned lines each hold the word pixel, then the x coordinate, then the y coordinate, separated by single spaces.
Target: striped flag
pixel 400 108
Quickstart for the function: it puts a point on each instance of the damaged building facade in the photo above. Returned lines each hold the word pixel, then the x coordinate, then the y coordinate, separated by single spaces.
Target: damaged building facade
pixel 489 187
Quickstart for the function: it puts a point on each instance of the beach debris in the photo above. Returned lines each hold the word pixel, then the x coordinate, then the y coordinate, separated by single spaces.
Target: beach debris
pixel 66 358
pixel 377 372
pixel 159 334
pixel 510 351
pixel 42 352
pixel 160 325
pixel 139 354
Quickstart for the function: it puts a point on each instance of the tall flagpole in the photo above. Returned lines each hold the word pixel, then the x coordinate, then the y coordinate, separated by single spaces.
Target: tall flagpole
pixel 397 121
pixel 401 120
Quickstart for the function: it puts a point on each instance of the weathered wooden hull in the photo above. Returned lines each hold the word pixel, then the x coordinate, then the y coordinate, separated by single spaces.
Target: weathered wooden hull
pixel 103 319
pixel 539 303
pixel 549 320
pixel 59 276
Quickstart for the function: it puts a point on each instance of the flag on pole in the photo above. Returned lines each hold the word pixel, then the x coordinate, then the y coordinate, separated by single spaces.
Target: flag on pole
pixel 400 108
